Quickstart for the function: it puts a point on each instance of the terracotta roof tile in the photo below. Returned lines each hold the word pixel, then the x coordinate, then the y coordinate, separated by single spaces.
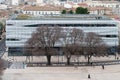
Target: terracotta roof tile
pixel 42 8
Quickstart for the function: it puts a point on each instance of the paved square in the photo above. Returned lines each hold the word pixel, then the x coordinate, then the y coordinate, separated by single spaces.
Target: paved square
pixel 111 72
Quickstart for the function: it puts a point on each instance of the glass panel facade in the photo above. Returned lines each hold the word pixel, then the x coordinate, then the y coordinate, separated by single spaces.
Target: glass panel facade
pixel 20 30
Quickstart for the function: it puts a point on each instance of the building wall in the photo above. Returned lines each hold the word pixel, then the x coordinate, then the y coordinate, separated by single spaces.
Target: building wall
pixel 109 5
pixel 12 2
pixel 38 13
pixel 39 1
pixel 15 2
pixel 116 11
pixel 18 32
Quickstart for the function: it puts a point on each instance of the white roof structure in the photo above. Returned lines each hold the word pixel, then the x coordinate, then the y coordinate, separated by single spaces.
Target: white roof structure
pixel 68 6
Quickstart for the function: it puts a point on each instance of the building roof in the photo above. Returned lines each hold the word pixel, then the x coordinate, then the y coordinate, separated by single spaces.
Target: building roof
pixel 113 16
pixel 103 2
pixel 31 0
pixel 64 17
pixel 42 8
pixel 99 8
pixel 110 2
pixel 83 4
pixel 4 13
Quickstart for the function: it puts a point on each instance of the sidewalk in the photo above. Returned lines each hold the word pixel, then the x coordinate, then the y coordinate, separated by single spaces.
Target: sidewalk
pixel 54 58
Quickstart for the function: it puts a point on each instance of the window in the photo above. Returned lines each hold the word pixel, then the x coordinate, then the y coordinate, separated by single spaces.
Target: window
pixel 72 25
pixel 9 24
pixel 12 39
pixel 108 36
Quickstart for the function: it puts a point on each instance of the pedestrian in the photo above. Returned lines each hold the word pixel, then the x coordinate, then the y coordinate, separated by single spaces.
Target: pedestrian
pixel 102 66
pixel 88 76
pixel 117 58
pixel 91 63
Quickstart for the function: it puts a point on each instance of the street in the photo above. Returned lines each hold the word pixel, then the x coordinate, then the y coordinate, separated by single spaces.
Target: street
pixel 2 47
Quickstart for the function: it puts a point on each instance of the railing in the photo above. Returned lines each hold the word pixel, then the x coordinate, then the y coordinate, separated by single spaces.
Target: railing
pixel 95 63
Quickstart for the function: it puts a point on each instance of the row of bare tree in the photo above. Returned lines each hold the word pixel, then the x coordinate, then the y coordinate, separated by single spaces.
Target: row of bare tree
pixel 72 41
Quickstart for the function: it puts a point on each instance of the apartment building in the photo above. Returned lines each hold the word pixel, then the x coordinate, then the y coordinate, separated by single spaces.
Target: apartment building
pixel 12 2
pixel 42 10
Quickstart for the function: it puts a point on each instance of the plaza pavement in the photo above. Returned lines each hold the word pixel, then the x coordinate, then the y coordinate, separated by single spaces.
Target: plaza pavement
pixel 55 58
pixel 111 72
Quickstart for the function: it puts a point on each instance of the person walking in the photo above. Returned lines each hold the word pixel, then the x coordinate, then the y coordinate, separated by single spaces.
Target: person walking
pixel 89 76
pixel 102 66
pixel 117 58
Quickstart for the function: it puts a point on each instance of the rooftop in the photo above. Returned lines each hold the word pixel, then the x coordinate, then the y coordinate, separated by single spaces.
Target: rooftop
pixel 61 17
pixel 43 8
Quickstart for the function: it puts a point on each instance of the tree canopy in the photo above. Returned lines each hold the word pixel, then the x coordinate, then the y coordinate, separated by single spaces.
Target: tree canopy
pixel 64 12
pixel 94 45
pixel 71 12
pixel 81 10
pixel 43 41
pixel 71 41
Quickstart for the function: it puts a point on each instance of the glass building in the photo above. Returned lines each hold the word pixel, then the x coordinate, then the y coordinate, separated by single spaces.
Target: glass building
pixel 19 31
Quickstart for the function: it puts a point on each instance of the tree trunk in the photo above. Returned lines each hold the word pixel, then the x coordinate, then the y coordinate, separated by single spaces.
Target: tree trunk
pixel 88 59
pixel 28 59
pixel 68 61
pixel 78 60
pixel 48 59
pixel 31 58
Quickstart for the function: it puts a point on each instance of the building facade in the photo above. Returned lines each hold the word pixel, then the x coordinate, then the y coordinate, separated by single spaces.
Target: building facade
pixel 12 2
pixel 19 31
pixel 42 10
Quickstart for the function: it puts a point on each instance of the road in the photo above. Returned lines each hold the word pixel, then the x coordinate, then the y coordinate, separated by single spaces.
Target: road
pixel 3 50
pixel 2 47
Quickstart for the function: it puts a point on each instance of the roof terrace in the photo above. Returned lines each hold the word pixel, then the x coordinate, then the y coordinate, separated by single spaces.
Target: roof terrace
pixel 60 17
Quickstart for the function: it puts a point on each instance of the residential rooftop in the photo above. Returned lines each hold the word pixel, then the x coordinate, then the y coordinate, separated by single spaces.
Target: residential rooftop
pixel 43 8
pixel 61 17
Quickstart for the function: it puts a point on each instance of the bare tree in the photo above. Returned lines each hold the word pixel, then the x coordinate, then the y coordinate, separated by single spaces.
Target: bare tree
pixel 72 41
pixel 101 50
pixel 94 45
pixel 44 40
pixel 29 48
